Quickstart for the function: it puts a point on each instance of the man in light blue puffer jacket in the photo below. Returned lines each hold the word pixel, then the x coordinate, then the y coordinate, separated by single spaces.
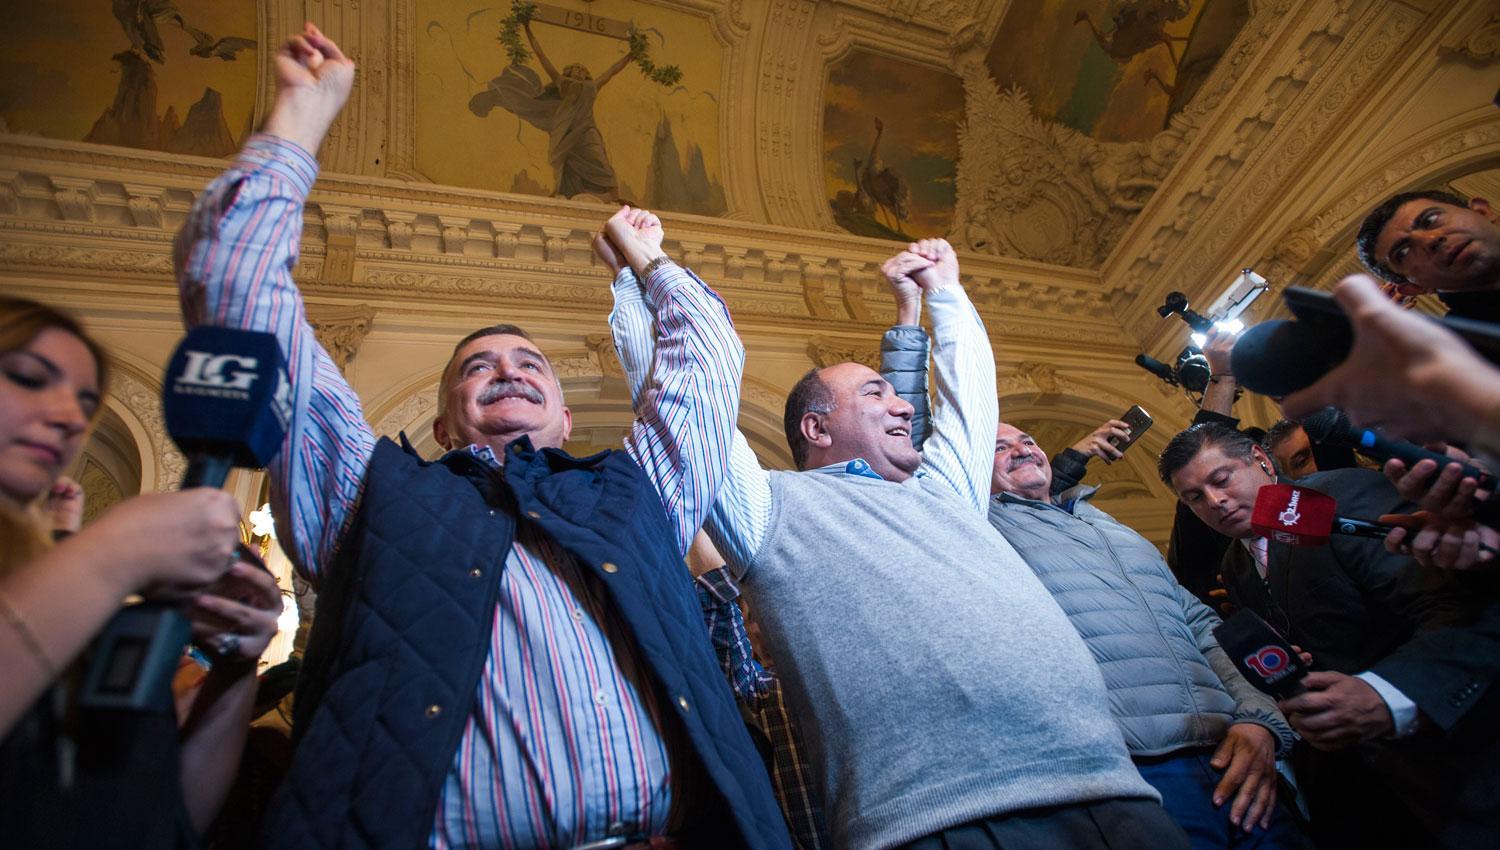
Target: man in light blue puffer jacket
pixel 1198 732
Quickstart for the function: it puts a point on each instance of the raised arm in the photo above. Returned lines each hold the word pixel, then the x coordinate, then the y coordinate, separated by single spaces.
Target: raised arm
pixel 960 446
pixel 234 259
pixel 903 355
pixel 612 70
pixel 536 47
pixel 1218 396
pixel 685 418
pixel 739 516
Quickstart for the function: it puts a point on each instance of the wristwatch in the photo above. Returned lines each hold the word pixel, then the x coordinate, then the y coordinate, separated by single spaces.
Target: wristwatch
pixel 653 266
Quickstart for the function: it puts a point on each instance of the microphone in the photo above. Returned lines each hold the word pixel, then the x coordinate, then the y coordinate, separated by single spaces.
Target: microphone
pixel 1261 654
pixel 1279 357
pixel 1332 427
pixel 1302 516
pixel 1156 367
pixel 227 403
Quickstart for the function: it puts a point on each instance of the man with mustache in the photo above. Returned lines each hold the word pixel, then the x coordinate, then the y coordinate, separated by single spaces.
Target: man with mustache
pixel 508 651
pixel 943 696
pixel 1201 734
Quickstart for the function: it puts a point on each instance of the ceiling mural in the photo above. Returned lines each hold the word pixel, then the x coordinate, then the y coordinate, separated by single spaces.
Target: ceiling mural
pixel 1076 113
pixel 139 73
pixel 609 100
pixel 1115 71
pixel 890 146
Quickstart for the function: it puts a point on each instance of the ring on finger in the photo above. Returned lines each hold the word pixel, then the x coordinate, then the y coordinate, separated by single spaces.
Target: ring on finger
pixel 227 646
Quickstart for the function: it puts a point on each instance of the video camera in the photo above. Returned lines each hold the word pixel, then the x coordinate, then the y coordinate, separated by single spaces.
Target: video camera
pixel 1190 369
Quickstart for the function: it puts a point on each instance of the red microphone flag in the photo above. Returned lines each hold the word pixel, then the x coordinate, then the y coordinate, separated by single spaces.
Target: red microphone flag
pixel 1295 515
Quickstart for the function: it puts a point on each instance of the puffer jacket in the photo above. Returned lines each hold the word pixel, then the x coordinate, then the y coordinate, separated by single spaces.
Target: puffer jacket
pixel 1170 685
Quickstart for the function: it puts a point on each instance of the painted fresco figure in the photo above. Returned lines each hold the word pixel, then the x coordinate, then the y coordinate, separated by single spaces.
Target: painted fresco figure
pixel 564 110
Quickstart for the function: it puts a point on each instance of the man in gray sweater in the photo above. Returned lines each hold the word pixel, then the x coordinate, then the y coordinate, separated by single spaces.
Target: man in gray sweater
pixel 945 698
pixel 1199 733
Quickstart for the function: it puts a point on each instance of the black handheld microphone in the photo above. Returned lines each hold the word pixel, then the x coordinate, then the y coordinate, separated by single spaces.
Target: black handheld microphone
pixel 1261 654
pixel 1280 357
pixel 1332 426
pixel 227 403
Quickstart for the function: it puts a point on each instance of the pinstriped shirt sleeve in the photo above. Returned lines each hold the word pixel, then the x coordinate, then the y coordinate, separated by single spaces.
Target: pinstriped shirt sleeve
pixel 685 416
pixel 960 449
pixel 234 258
pixel 739 517
pixel 632 326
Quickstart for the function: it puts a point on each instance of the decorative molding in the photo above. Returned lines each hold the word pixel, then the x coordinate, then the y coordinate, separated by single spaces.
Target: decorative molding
pixel 101 490
pixel 74 198
pixel 1046 384
pixel 60 257
pixel 1034 376
pixel 414 408
pixel 143 399
pixel 1035 189
pixel 573 366
pixel 145 205
pixel 1476 139
pixel 1480 46
pixel 825 351
pixel 340 330
pixel 602 350
pixel 1319 246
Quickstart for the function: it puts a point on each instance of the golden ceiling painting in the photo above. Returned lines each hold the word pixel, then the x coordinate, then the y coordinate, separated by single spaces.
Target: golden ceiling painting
pixel 606 100
pixel 890 146
pixel 1116 71
pixel 177 77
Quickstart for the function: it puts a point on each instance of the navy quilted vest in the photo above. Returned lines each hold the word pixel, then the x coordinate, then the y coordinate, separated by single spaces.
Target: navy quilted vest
pixel 401 634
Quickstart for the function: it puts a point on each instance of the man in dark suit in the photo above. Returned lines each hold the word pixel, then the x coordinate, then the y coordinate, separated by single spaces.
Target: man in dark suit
pixel 1399 702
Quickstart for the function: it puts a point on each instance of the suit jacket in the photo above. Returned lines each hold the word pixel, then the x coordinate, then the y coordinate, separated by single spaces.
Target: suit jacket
pixel 1434 636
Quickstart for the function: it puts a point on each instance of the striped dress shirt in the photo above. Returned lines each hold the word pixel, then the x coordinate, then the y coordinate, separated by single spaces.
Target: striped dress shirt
pixel 564 743
pixel 755 687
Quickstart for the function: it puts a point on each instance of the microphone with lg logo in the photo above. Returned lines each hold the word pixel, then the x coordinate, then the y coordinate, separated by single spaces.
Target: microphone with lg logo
pixel 1261 654
pixel 227 403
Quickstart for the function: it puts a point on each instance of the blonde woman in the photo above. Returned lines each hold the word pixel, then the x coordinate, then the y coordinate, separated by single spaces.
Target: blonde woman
pixel 69 776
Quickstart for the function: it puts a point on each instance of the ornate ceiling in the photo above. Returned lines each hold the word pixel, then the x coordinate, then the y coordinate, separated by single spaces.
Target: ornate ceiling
pixel 1309 115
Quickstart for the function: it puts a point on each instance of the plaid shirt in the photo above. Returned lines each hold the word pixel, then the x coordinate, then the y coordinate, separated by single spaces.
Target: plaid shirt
pixel 758 690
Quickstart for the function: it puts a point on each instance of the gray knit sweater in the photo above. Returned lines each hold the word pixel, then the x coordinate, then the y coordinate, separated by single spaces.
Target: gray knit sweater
pixel 935 679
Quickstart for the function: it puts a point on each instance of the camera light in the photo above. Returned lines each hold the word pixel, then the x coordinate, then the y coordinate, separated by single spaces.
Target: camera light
pixel 1198 339
pixel 1232 326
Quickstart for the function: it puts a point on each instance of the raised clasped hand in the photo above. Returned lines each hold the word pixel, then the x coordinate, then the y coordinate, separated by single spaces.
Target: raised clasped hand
pixel 942 269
